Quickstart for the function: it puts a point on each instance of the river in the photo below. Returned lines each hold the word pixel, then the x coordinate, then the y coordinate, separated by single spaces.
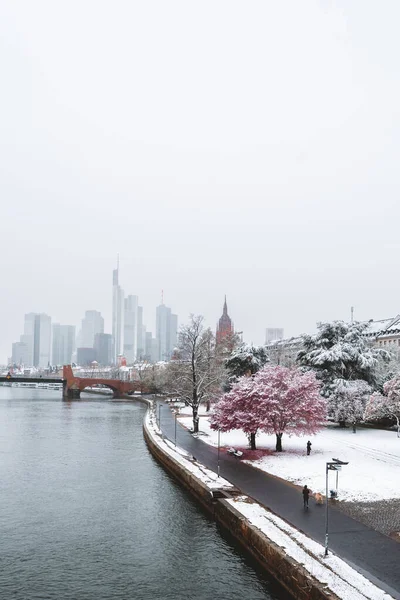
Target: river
pixel 87 514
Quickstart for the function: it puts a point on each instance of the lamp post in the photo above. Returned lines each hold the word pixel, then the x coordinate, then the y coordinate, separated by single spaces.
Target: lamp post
pixel 219 432
pixel 175 428
pixel 335 465
pixel 159 415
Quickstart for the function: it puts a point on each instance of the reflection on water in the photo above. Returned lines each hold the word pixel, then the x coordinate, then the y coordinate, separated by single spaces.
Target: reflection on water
pixel 86 513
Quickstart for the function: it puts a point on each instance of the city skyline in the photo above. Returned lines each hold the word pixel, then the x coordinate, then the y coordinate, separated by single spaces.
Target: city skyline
pixel 250 176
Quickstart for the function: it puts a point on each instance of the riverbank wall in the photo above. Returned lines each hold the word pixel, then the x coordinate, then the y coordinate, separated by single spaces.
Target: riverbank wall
pixel 217 500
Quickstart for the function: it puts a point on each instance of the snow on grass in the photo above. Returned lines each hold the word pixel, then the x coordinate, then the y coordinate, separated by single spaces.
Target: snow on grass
pixel 373 472
pixel 208 477
pixel 337 575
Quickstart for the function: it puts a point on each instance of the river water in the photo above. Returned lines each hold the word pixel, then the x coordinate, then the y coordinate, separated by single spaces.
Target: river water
pixel 87 514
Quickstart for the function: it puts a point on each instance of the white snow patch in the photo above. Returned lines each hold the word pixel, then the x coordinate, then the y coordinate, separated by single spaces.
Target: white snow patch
pixel 372 474
pixel 337 575
pixel 208 477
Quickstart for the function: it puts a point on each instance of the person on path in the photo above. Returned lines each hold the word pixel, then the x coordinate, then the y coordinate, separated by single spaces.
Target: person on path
pixel 306 493
pixel 308 448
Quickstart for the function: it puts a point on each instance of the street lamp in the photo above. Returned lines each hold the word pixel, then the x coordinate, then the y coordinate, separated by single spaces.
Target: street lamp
pixel 335 465
pixel 219 432
pixel 175 428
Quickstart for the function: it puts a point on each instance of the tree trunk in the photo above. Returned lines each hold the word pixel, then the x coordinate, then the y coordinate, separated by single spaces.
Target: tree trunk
pixel 278 447
pixel 252 439
pixel 195 420
pixel 342 424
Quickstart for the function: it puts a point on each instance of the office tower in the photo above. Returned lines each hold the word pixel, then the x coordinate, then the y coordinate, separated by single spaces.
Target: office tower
pixel 63 344
pixel 29 332
pixel 130 328
pixel 103 348
pixel 273 334
pixel 117 317
pixel 22 353
pixel 85 356
pixel 154 350
pixel 173 342
pixel 92 323
pixel 140 340
pixel 225 326
pixel 147 351
pixel 41 340
pixel 166 331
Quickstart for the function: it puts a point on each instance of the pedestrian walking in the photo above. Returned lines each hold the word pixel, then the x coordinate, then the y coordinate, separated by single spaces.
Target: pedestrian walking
pixel 306 494
pixel 309 448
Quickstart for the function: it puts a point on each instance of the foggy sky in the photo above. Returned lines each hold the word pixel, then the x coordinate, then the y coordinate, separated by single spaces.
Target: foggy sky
pixel 220 147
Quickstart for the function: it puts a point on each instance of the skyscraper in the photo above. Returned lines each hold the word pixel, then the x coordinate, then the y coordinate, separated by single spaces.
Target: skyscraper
pixel 225 326
pixel 166 331
pixel 41 340
pixel 92 323
pixel 130 328
pixel 63 344
pixel 117 317
pixel 140 340
pixel 102 346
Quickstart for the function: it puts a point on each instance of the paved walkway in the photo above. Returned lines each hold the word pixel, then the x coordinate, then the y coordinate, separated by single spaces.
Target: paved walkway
pixel 369 552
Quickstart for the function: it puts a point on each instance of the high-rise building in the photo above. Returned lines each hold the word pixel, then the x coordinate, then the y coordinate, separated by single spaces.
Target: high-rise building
pixel 22 352
pixel 85 356
pixel 63 344
pixel 130 328
pixel 117 317
pixel 41 340
pixel 273 334
pixel 147 351
pixel 166 331
pixel 103 346
pixel 92 323
pixel 140 339
pixel 225 326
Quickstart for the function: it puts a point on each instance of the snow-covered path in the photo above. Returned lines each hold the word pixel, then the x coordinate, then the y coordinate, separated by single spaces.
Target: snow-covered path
pixel 373 472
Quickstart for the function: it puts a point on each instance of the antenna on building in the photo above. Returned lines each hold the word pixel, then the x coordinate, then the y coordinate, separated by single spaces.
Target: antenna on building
pixel 162 296
pixel 118 261
pixel 352 314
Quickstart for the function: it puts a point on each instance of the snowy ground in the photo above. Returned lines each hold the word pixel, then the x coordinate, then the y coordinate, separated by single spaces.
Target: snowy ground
pixel 332 572
pixel 373 472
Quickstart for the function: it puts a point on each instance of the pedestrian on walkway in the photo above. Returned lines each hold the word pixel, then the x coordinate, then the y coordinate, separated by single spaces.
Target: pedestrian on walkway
pixel 308 448
pixel 306 493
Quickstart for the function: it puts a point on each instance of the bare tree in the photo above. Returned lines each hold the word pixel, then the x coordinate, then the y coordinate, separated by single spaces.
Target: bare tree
pixel 195 374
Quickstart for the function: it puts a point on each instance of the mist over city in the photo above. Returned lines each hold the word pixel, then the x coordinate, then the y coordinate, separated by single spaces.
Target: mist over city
pixel 199 307
pixel 217 148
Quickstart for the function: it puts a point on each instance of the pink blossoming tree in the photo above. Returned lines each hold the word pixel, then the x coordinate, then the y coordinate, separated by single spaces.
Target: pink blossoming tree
pixel 274 400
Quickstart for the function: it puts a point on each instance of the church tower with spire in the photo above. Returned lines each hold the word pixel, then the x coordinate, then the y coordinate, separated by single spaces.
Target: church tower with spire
pixel 225 326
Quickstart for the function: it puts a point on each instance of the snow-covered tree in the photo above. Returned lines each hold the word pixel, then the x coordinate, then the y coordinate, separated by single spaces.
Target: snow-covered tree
pixel 348 401
pixel 246 359
pixel 386 405
pixel 195 373
pixel 340 350
pixel 274 400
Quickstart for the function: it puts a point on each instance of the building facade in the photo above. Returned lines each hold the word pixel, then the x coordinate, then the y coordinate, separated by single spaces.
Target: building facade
pixel 225 328
pixel 273 334
pixel 130 328
pixel 117 317
pixel 92 323
pixel 166 332
pixel 63 344
pixel 103 348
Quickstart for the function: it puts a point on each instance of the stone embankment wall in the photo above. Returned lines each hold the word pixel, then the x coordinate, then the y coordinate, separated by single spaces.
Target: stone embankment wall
pixel 270 556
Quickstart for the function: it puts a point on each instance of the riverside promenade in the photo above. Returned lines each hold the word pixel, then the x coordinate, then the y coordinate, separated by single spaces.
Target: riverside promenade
pixel 371 553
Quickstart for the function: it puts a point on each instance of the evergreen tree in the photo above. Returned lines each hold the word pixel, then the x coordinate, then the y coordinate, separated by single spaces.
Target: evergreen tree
pixel 341 350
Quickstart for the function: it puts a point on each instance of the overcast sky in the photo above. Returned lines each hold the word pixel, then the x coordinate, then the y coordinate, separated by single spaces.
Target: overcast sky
pixel 247 148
